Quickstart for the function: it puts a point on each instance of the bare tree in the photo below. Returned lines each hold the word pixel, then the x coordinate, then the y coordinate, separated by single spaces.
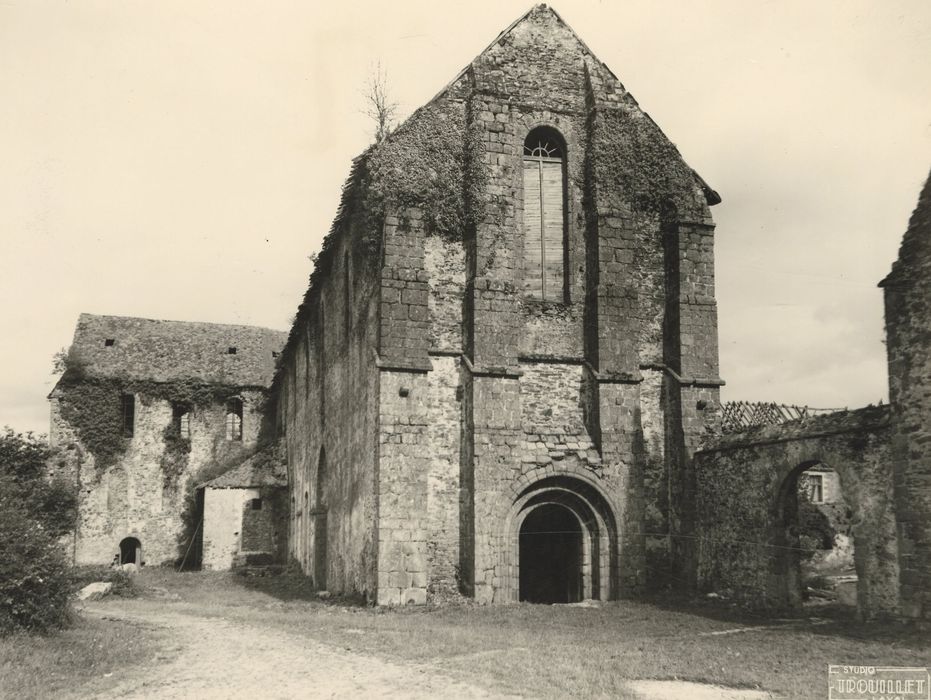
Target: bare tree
pixel 378 103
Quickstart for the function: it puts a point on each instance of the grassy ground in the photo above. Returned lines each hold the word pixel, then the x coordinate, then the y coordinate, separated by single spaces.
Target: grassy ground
pixel 560 651
pixel 51 666
pixel 540 651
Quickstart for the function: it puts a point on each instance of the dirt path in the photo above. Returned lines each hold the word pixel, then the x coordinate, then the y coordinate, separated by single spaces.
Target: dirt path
pixel 218 658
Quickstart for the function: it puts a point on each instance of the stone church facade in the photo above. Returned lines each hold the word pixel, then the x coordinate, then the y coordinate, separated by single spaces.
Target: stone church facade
pixel 508 350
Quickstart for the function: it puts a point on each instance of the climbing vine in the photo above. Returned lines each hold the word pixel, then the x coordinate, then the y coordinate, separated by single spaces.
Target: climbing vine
pixel 92 406
pixel 432 162
pixel 633 153
pixel 174 459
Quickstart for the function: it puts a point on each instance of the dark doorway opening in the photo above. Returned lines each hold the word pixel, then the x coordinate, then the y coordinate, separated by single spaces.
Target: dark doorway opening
pixel 551 556
pixel 131 551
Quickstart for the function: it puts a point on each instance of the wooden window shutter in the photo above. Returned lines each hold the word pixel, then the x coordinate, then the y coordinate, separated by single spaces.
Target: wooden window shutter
pixel 544 223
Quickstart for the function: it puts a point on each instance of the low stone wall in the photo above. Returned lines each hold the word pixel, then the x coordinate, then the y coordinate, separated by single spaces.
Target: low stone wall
pixel 745 543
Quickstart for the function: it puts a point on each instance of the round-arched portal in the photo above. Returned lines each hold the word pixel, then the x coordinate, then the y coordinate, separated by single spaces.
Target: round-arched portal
pixel 562 543
pixel 131 551
pixel 551 556
pixel 814 549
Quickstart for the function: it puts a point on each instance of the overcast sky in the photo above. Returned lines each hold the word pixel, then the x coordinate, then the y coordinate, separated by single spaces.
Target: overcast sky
pixel 183 159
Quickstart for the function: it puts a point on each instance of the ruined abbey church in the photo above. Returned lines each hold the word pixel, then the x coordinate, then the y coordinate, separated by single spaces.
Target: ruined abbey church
pixel 508 351
pixel 502 381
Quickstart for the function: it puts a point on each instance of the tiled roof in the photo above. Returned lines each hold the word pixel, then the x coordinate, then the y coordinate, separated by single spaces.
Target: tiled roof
pixel 163 351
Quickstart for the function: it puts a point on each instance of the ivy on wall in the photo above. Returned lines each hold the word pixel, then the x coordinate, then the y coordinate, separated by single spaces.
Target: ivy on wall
pixel 92 406
pixel 433 163
pixel 633 152
pixel 174 459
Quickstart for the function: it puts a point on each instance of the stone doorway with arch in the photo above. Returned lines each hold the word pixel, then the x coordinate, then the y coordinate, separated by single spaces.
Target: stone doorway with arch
pixel 131 551
pixel 814 552
pixel 562 543
pixel 747 504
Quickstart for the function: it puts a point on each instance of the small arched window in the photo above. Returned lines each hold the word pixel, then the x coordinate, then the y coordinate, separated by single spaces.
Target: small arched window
pixel 234 419
pixel 544 215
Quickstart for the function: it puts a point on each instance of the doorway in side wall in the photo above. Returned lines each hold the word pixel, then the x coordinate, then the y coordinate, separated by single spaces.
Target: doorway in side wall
pixel 131 551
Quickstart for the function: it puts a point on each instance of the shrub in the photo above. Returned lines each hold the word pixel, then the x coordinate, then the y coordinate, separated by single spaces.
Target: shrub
pixel 815 530
pixel 34 514
pixel 34 581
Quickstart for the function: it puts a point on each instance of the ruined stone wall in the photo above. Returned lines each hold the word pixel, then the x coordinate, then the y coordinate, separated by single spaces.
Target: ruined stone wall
pixel 744 544
pixel 327 392
pixel 908 343
pixel 487 399
pixel 146 492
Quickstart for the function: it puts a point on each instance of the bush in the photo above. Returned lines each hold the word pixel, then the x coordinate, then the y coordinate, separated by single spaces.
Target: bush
pixel 34 582
pixel 34 513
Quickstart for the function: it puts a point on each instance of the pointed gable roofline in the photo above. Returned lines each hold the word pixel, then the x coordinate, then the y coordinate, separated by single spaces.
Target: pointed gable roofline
pixel 916 243
pixel 711 195
pixel 358 166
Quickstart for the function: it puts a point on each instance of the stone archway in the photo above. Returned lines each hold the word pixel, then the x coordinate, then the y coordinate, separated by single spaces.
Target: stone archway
pixel 131 551
pixel 786 560
pixel 562 543
pixel 813 538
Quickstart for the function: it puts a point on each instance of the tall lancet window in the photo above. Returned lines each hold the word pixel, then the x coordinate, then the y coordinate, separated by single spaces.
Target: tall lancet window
pixel 544 215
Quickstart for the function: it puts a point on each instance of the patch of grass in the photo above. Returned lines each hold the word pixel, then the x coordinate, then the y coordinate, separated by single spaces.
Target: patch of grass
pixel 124 583
pixel 53 666
pixel 561 651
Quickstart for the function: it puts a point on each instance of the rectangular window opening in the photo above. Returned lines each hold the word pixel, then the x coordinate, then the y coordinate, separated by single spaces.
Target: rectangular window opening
pixel 128 406
pixel 256 504
pixel 231 350
pixel 109 342
pixel 816 488
pixel 181 419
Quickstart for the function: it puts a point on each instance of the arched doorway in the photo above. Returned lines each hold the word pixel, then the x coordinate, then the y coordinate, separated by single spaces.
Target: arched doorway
pixel 551 556
pixel 562 543
pixel 131 551
pixel 814 548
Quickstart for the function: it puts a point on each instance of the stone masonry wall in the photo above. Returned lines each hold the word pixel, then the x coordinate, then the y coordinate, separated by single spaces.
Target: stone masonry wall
pixel 744 483
pixel 908 343
pixel 327 402
pixel 131 498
